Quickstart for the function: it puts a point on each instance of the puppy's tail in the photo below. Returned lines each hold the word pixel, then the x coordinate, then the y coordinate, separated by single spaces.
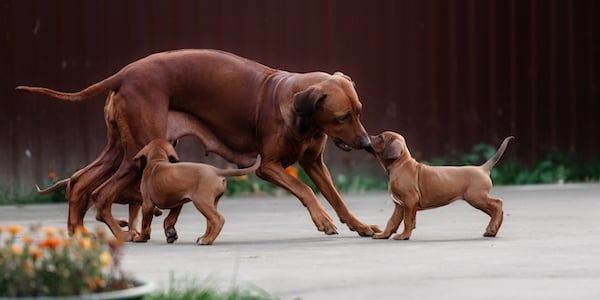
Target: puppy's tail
pixel 239 172
pixel 488 165
pixel 52 188
pixel 112 82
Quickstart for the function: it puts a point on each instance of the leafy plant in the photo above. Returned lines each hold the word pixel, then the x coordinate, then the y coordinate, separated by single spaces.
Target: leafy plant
pixel 553 167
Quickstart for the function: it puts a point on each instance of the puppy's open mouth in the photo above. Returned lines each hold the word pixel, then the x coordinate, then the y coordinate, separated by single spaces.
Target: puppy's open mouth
pixel 338 142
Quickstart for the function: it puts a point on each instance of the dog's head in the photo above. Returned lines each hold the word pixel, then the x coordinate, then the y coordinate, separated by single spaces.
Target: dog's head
pixel 333 106
pixel 155 151
pixel 389 147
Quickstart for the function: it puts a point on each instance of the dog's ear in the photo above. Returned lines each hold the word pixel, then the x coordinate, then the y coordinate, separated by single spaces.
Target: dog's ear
pixel 392 151
pixel 172 155
pixel 141 159
pixel 308 101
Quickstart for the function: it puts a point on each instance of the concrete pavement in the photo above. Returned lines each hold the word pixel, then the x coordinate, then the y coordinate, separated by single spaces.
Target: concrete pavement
pixel 547 248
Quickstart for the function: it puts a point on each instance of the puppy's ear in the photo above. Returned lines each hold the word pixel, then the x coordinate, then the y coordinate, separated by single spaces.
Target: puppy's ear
pixel 141 159
pixel 308 101
pixel 392 151
pixel 173 157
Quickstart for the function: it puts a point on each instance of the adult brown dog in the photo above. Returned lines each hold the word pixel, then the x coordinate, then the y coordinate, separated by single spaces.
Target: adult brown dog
pixel 169 185
pixel 247 109
pixel 415 186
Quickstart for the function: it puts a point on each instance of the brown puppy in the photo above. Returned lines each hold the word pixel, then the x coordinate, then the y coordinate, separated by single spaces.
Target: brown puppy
pixel 415 186
pixel 169 185
pixel 244 108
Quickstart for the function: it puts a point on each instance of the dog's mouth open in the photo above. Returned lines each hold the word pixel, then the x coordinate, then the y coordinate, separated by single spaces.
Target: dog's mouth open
pixel 342 145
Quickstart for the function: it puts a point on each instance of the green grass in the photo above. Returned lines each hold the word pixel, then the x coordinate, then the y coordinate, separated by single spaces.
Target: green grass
pixel 193 290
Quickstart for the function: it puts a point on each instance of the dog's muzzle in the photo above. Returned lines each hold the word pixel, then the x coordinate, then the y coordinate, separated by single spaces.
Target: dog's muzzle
pixel 362 143
pixel 341 144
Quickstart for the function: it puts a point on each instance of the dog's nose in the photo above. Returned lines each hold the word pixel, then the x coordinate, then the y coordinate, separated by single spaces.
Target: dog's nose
pixel 365 142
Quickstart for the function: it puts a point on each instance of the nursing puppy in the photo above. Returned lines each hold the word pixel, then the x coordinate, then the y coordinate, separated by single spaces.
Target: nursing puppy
pixel 415 186
pixel 168 183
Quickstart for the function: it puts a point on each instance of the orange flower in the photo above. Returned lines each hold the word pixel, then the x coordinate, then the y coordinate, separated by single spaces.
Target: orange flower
pixel 16 249
pixel 105 259
pixel 27 240
pixel 35 254
pixel 49 231
pixel 85 243
pixel 14 229
pixel 51 243
pixel 100 282
pixel 101 233
pixel 293 171
pixel 52 175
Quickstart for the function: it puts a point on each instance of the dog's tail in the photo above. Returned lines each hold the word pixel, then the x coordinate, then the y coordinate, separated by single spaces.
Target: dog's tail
pixel 59 184
pixel 488 165
pixel 239 172
pixel 93 90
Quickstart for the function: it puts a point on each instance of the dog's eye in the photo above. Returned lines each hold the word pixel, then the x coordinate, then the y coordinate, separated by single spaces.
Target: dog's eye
pixel 344 118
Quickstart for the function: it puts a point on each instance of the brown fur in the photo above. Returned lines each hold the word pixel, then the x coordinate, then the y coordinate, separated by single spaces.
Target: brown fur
pixel 241 109
pixel 415 186
pixel 169 185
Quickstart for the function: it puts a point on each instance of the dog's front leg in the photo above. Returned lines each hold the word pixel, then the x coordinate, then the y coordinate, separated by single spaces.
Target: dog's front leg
pixel 393 223
pixel 410 219
pixel 273 172
pixel 317 171
pixel 147 215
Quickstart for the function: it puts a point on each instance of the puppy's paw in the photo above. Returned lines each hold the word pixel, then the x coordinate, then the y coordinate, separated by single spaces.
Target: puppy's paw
pixel 490 233
pixel 204 242
pixel 171 235
pixel 157 212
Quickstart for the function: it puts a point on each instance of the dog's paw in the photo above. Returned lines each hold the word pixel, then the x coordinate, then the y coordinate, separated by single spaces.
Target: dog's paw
pixel 142 238
pixel 490 233
pixel 203 242
pixel 380 236
pixel 171 235
pixel 157 212
pixel 329 231
pixel 402 237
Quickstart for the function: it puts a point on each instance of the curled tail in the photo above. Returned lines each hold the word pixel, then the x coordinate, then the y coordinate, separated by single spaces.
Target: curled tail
pixel 239 172
pixel 112 82
pixel 488 165
pixel 54 187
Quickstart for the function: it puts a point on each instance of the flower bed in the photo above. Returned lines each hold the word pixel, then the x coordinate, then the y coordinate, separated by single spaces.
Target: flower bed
pixel 46 262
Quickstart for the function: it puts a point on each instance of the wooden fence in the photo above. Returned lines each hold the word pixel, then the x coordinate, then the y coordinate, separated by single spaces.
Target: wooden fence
pixel 447 74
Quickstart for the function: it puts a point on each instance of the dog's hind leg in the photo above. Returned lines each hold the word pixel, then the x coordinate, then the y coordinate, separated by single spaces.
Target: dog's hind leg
pixel 493 208
pixel 214 220
pixel 169 224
